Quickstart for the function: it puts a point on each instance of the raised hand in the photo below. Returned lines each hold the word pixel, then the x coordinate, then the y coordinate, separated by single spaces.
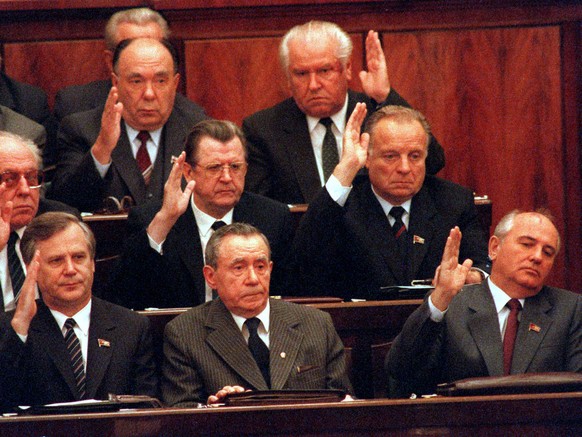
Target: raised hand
pixel 110 128
pixel 375 81
pixel 355 147
pixel 450 276
pixel 26 305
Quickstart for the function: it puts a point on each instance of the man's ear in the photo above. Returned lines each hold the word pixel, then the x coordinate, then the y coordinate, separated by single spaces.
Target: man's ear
pixel 348 68
pixel 108 55
pixel 494 243
pixel 208 272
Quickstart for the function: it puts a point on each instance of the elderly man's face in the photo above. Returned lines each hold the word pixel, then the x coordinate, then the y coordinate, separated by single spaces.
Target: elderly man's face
pixel 65 276
pixel 17 158
pixel 396 163
pixel 219 174
pixel 146 84
pixel 242 274
pixel 317 80
pixel 524 258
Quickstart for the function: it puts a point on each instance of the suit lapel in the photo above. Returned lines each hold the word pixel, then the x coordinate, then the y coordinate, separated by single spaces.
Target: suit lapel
pixel 227 341
pixel 285 342
pixel 190 250
pixel 50 337
pixel 484 328
pixel 296 141
pixel 126 166
pixel 527 344
pixel 421 225
pixel 101 327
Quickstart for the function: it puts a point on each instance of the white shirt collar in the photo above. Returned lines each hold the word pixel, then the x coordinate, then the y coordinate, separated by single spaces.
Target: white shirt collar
pixel 339 119
pixel 205 221
pixel 264 316
pixel 500 297
pixel 82 318
pixel 387 206
pixel 155 135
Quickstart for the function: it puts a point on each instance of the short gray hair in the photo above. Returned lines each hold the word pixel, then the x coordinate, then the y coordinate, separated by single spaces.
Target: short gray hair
pixel 508 220
pixel 399 114
pixel 317 30
pixel 25 142
pixel 138 16
pixel 241 229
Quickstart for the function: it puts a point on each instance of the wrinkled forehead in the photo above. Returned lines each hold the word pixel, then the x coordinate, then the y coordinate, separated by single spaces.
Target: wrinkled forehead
pixel 14 156
pixel 536 226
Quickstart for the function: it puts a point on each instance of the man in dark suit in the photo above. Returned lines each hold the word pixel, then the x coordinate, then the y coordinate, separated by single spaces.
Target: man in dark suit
pixel 12 121
pixel 30 101
pixel 20 201
pixel 510 324
pixel 243 339
pixel 288 149
pixel 126 24
pixel 125 148
pixel 162 262
pixel 69 346
pixel 352 241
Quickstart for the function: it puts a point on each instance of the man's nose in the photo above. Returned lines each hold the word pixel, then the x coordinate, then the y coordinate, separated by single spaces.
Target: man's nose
pixel 314 83
pixel 252 276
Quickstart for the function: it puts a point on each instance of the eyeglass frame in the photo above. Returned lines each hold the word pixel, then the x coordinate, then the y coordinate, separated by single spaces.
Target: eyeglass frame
pixel 211 170
pixel 40 175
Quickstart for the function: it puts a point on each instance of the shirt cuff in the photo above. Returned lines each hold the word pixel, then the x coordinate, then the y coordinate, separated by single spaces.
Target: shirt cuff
pixel 436 315
pixel 102 169
pixel 157 247
pixel 338 193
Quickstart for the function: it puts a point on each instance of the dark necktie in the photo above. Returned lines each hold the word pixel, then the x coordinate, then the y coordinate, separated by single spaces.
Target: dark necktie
pixel 258 348
pixel 398 228
pixel 14 266
pixel 74 348
pixel 400 235
pixel 329 154
pixel 217 225
pixel 510 334
pixel 143 157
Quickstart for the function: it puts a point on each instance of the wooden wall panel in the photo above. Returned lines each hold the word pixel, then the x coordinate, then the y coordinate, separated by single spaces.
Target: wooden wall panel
pixel 53 65
pixel 493 97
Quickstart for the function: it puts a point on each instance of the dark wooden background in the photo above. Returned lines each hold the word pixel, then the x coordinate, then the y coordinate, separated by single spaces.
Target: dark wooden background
pixel 498 80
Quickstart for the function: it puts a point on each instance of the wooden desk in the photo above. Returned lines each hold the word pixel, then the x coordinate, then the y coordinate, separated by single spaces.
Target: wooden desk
pixel 360 325
pixel 541 415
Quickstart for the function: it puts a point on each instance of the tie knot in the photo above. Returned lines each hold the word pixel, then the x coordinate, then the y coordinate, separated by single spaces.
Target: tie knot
pixel 327 122
pixel 70 323
pixel 397 212
pixel 143 136
pixel 252 324
pixel 217 225
pixel 13 238
pixel 514 305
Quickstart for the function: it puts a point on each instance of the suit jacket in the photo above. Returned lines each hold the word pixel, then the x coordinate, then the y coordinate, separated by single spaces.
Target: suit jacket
pixel 77 181
pixel 144 278
pixel 204 351
pixel 351 252
pixel 468 343
pixel 11 121
pixel 30 101
pixel 39 371
pixel 281 160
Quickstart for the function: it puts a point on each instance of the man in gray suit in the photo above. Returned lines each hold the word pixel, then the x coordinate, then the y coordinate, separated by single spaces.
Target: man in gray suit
pixel 125 149
pixel 11 121
pixel 244 340
pixel 482 330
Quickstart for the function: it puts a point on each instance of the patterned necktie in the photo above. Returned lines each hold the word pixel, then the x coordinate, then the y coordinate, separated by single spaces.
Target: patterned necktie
pixel 398 228
pixel 14 266
pixel 510 334
pixel 143 157
pixel 74 348
pixel 258 348
pixel 329 154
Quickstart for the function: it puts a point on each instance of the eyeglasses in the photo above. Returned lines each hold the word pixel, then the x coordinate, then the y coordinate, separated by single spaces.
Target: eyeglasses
pixel 34 178
pixel 216 170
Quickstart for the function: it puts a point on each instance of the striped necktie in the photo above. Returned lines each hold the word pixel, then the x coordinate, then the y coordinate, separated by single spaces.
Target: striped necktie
pixel 329 154
pixel 14 266
pixel 74 348
pixel 143 157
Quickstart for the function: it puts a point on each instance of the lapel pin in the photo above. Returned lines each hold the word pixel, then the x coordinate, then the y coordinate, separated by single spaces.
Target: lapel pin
pixel 417 240
pixel 283 354
pixel 103 343
pixel 534 327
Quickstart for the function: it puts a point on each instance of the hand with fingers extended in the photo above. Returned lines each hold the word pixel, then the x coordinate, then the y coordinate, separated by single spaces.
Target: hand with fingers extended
pixel 221 394
pixel 110 128
pixel 26 305
pixel 450 276
pixel 375 81
pixel 175 201
pixel 355 147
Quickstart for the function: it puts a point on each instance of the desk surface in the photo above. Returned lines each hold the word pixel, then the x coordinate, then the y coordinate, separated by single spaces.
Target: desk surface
pixel 542 415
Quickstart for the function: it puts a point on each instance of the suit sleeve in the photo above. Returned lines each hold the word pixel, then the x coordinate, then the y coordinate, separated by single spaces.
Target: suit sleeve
pixel 337 377
pixel 259 174
pixel 12 364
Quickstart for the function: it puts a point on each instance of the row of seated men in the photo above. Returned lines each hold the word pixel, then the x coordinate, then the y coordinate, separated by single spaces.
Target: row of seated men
pixel 69 345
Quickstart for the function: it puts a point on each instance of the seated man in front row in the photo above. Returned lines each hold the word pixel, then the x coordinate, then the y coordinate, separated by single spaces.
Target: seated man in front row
pixel 482 330
pixel 389 227
pixel 244 340
pixel 68 345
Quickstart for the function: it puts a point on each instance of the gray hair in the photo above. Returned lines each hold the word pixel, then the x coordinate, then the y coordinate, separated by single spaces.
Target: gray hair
pixel 508 220
pixel 46 225
pixel 138 16
pixel 315 31
pixel 25 142
pixel 399 114
pixel 212 251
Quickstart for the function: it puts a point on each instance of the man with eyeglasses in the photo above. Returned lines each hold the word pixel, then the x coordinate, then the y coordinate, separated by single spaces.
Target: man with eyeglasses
pixel 295 145
pixel 161 266
pixel 20 201
pixel 124 149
